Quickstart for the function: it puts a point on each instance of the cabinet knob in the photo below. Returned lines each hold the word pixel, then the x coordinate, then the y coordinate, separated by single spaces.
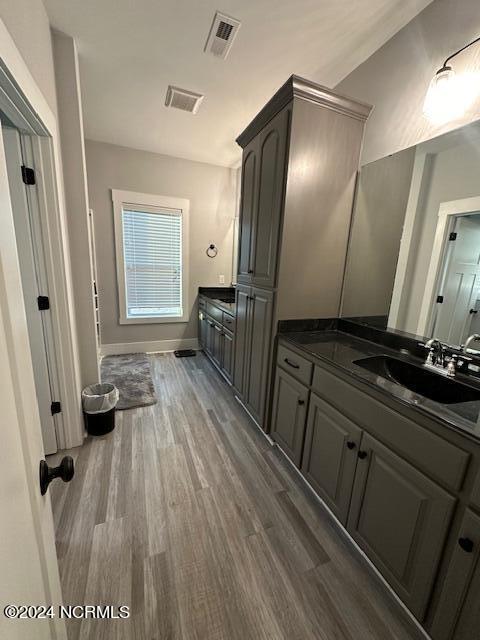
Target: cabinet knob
pixel 301 401
pixel 250 271
pixel 350 444
pixel 466 544
pixel 362 455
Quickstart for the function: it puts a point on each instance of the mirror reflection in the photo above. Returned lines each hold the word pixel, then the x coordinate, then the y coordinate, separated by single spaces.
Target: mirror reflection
pixel 413 262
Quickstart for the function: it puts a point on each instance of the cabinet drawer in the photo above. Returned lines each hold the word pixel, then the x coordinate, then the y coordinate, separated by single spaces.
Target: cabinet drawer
pixel 215 312
pixel 228 322
pixel 429 452
pixel 296 366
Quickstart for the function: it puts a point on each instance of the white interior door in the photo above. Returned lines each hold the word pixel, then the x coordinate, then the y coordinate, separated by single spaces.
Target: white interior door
pixel 28 561
pixel 30 253
pixel 460 285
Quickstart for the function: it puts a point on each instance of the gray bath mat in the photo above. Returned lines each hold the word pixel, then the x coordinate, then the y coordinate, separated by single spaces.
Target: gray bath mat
pixel 130 373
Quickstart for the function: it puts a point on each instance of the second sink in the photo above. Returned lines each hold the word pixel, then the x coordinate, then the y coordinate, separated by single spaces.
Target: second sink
pixel 420 380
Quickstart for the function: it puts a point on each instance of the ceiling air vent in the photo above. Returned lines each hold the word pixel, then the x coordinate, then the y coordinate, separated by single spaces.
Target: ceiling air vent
pixel 183 99
pixel 222 34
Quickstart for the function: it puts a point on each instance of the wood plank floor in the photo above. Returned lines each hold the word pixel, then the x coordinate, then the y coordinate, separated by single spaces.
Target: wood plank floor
pixel 186 514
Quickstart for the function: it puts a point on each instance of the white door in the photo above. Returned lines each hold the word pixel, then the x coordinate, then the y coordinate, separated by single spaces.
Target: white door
pixel 28 563
pixel 32 268
pixel 460 285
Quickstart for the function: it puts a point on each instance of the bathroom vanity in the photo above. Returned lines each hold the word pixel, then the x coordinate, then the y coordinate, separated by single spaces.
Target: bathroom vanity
pixel 216 326
pixel 399 471
pixel 385 432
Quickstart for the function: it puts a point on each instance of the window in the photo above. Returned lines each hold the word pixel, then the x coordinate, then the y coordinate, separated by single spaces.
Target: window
pixel 150 234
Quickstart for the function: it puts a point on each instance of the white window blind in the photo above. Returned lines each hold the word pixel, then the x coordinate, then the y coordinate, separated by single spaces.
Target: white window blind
pixel 152 248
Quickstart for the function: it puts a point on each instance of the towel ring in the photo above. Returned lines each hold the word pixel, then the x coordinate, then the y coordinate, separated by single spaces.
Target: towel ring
pixel 211 251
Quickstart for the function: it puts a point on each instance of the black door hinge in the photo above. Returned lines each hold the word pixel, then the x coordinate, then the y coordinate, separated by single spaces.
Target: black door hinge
pixel 439 299
pixel 56 407
pixel 452 236
pixel 28 175
pixel 43 303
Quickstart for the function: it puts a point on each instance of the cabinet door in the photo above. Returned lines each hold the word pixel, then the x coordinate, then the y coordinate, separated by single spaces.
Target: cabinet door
pixel 242 357
pixel 202 329
pixel 217 343
pixel 457 614
pixel 248 204
pixel 288 416
pixel 330 456
pixel 227 358
pixel 260 329
pixel 400 518
pixel 209 335
pixel 272 150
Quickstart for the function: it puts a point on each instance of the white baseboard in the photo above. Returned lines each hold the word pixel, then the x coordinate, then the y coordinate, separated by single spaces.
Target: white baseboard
pixel 155 346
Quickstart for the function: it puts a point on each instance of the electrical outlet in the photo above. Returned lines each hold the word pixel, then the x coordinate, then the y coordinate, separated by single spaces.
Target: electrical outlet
pixel 221 279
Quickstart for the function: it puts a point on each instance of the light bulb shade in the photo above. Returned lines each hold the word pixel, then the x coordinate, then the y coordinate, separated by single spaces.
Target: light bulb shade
pixel 448 96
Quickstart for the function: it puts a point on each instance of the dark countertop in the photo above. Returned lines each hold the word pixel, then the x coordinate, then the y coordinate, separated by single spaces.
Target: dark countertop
pixel 220 297
pixel 342 349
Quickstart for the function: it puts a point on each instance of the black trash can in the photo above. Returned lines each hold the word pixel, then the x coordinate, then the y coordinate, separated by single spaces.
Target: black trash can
pixel 99 402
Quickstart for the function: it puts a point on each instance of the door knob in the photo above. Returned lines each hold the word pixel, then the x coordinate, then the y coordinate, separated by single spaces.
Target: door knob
pixel 65 471
pixel 466 544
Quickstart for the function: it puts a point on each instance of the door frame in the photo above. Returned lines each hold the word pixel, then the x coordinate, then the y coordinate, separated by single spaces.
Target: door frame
pixel 25 106
pixel 447 214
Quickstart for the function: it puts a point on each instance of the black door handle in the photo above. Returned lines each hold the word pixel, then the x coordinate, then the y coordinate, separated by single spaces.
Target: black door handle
pixel 473 311
pixel 350 444
pixel 65 471
pixel 466 544
pixel 362 455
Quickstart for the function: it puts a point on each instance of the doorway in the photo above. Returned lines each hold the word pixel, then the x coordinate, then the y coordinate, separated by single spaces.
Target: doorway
pixel 458 297
pixel 30 246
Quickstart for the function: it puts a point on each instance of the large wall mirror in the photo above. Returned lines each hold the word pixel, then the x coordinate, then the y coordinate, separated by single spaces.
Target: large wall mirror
pixel 413 263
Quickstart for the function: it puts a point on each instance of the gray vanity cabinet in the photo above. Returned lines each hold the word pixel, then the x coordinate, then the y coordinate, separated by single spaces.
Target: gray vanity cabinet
pixel 291 220
pixel 458 610
pixel 248 212
pixel 240 371
pixel 216 336
pixel 330 457
pixel 216 342
pixel 227 355
pixel 263 178
pixel 252 347
pixel 272 146
pixel 290 400
pixel 400 518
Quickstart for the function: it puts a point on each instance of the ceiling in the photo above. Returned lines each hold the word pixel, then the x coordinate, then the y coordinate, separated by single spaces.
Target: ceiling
pixel 131 50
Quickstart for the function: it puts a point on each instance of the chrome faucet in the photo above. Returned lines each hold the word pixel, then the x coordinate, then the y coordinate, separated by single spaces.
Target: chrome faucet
pixel 435 352
pixel 469 340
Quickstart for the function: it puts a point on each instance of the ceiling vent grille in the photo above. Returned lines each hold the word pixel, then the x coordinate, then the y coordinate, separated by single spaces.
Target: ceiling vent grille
pixel 182 99
pixel 222 34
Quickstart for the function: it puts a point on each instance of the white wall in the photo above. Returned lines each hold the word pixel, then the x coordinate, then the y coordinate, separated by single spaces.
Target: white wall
pixel 27 23
pixel 76 200
pixel 396 77
pixel 211 191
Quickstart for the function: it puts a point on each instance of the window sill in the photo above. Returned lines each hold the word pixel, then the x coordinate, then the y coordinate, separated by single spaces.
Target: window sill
pixel 165 320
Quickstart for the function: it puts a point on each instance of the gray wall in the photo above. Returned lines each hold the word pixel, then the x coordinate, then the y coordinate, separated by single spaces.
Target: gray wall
pixel 27 23
pixel 396 77
pixel 211 191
